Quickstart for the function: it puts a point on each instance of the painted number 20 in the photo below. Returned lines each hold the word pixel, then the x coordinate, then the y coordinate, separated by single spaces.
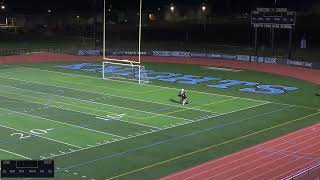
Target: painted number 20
pixel 32 132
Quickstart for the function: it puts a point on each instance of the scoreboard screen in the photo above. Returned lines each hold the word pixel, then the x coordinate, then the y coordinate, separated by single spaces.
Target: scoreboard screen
pixel 27 169
pixel 273 17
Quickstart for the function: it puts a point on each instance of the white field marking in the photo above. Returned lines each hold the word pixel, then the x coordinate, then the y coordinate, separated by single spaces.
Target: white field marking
pixel 9 152
pixel 104 87
pixel 218 102
pixel 98 103
pixel 63 123
pixel 162 87
pixel 154 131
pixel 116 119
pixel 40 136
pixel 105 94
pixel 62 107
pixel 42 157
pixel 59 107
pixel 221 69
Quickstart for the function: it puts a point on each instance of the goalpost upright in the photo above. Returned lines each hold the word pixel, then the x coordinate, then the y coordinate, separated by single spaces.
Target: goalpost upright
pixel 137 63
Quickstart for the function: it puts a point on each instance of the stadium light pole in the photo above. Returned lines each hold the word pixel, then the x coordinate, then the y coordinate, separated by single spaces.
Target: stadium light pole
pixel 204 9
pixel 140 24
pixel 104 29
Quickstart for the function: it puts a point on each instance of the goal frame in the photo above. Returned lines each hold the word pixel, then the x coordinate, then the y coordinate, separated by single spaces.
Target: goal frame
pixel 104 34
pixel 129 64
pixel 111 60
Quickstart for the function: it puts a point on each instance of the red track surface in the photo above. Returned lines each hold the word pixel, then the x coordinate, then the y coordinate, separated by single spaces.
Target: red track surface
pixel 274 159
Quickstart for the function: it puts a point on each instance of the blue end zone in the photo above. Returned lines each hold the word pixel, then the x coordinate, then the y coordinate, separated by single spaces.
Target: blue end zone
pixel 253 87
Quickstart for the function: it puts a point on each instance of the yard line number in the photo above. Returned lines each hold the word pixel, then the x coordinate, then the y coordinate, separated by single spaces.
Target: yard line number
pixel 32 132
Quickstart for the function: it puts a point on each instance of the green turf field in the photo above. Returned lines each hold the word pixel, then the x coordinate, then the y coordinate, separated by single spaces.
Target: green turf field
pixel 106 129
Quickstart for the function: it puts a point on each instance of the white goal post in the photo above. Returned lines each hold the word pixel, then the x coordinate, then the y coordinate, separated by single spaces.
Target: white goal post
pixel 134 65
pixel 125 71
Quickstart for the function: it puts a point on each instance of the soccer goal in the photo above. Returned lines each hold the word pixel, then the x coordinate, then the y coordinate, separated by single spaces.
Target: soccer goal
pixel 125 70
pixel 122 68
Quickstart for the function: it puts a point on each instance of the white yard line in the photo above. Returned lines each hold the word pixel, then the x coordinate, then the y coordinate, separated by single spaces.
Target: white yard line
pixel 90 101
pixel 104 94
pixel 106 87
pixel 162 87
pixel 155 131
pixel 129 122
pixel 19 155
pixel 64 123
pixel 192 108
pixel 38 135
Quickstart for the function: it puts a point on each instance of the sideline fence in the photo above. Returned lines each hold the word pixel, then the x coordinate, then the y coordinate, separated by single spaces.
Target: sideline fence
pixel 310 173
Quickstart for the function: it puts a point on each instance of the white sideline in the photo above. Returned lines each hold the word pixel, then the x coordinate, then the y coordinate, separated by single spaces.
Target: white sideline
pixel 15 154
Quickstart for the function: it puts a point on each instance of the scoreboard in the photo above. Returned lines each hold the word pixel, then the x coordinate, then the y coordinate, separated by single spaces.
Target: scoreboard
pixel 273 18
pixel 27 169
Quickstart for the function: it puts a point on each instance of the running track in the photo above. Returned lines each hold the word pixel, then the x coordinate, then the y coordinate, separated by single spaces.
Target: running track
pixel 274 159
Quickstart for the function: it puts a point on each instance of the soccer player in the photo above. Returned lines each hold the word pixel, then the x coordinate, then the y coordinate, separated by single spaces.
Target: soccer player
pixel 183 97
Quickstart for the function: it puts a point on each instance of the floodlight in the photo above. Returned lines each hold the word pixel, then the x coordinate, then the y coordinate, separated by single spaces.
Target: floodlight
pixel 204 8
pixel 172 8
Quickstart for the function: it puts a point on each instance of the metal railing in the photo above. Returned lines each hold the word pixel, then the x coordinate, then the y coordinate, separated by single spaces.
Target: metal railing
pixel 15 51
pixel 310 173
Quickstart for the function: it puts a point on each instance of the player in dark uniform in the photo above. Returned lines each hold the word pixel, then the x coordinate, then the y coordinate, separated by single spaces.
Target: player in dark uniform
pixel 183 97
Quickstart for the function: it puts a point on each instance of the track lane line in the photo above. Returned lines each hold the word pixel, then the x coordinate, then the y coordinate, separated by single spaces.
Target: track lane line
pixel 273 161
pixel 246 156
pixel 236 169
pixel 231 156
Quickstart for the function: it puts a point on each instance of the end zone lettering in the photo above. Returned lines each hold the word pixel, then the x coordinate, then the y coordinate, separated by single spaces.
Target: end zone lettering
pixel 251 87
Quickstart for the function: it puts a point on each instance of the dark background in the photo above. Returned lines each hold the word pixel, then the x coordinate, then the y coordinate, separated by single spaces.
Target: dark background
pixel 224 28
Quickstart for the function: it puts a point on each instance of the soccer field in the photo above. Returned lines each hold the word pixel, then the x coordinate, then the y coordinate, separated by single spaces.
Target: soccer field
pixel 108 129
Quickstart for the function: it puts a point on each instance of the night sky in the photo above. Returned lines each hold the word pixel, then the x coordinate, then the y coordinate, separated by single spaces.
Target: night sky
pixel 31 6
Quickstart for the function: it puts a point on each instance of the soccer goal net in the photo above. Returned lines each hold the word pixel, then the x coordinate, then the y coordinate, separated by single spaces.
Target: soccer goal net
pixel 125 70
